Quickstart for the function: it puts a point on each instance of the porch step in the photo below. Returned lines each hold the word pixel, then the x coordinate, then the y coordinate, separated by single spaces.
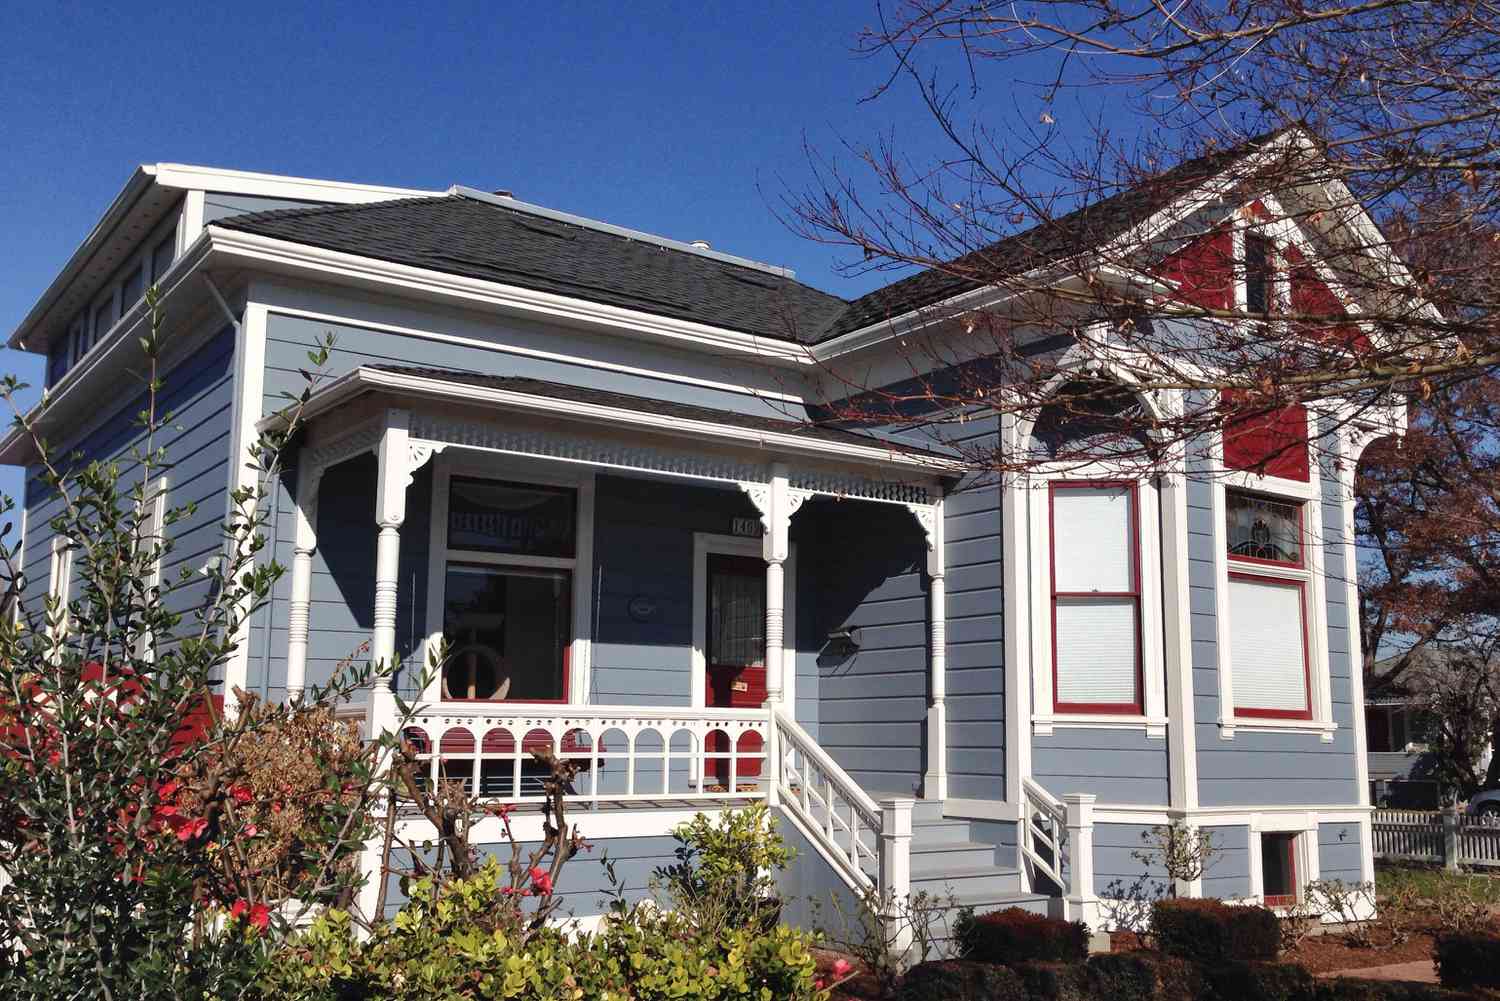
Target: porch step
pixel 941 832
pixel 977 882
pixel 936 858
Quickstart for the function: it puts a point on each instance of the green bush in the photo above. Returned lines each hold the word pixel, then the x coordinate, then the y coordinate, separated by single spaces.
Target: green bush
pixel 1342 989
pixel 725 873
pixel 1211 931
pixel 1468 960
pixel 1016 936
pixel 1240 980
pixel 960 980
pixel 1055 981
pixel 1143 976
pixel 447 945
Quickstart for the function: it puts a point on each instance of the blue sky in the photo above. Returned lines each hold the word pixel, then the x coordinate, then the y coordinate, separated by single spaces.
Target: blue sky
pixel 686 120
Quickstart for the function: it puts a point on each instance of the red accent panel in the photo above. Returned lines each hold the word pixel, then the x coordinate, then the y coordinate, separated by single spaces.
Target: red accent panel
pixel 1203 271
pixel 1272 443
pixel 1311 296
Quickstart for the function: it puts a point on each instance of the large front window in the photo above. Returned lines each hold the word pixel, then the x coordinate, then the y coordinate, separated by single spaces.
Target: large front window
pixel 507 590
pixel 1268 581
pixel 1096 598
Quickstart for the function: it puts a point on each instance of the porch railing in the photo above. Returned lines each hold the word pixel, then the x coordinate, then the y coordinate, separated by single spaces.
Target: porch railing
pixel 1042 832
pixel 625 753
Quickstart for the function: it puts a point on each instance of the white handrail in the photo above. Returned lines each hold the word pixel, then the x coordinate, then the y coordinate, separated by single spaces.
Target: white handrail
pixel 845 824
pixel 1040 831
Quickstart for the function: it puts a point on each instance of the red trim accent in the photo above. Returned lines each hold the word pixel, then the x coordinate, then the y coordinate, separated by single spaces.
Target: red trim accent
pixel 1137 706
pixel 1306 713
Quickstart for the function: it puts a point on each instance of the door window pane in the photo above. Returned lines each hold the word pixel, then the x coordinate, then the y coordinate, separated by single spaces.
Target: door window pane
pixel 493 516
pixel 737 617
pixel 508 632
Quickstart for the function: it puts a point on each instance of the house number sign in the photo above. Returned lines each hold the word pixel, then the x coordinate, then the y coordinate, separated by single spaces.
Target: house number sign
pixel 748 527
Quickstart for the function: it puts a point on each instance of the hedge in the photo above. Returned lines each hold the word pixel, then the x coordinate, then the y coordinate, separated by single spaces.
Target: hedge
pixel 1468 960
pixel 960 980
pixel 1240 980
pixel 1211 931
pixel 1016 936
pixel 1143 976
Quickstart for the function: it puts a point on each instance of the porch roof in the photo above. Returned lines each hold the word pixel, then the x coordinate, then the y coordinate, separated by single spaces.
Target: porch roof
pixel 540 396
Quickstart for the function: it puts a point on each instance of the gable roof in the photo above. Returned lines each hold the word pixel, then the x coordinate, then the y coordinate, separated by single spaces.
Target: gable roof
pixel 479 237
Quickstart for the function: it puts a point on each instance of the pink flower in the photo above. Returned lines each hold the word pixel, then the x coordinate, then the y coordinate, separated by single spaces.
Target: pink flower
pixel 541 880
pixel 241 794
pixel 260 916
pixel 818 984
pixel 238 908
pixel 251 830
pixel 841 968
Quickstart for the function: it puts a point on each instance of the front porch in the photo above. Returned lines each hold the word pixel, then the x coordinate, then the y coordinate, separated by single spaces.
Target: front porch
pixel 702 609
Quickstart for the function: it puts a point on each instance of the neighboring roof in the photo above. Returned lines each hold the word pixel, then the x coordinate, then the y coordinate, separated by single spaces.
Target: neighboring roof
pixel 791 425
pixel 1047 242
pixel 477 236
pixel 488 240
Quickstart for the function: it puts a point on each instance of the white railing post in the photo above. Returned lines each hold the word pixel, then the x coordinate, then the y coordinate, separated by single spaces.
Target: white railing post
pixel 1083 905
pixel 1450 838
pixel 935 782
pixel 390 512
pixel 895 865
pixel 772 748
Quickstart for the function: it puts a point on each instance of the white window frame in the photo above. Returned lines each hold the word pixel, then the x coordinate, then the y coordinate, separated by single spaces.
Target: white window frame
pixel 1037 489
pixel 581 564
pixel 1315 593
pixel 1304 850
pixel 60 581
pixel 706 544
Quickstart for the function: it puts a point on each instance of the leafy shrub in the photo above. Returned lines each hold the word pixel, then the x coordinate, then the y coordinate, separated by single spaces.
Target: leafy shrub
pixel 1210 931
pixel 1352 905
pixel 1254 981
pixel 1017 936
pixel 960 980
pixel 1055 981
pixel 1468 959
pixel 1143 976
pixel 1344 989
pixel 725 868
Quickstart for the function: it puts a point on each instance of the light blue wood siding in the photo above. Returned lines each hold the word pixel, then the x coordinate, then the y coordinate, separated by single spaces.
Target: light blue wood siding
pixel 1119 766
pixel 1228 873
pixel 1268 769
pixel 868 561
pixel 198 393
pixel 1339 852
pixel 975 674
pixel 219 205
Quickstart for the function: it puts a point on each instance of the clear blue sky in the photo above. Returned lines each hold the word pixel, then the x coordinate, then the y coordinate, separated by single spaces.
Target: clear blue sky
pixel 682 119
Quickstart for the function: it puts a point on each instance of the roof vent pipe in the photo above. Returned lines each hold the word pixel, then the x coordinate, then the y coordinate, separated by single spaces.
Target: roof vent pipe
pixel 503 193
pixel 702 245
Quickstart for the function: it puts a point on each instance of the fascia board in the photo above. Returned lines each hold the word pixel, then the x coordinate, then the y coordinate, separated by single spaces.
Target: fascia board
pixel 109 354
pixel 251 250
pixel 137 184
pixel 192 177
pixel 362 380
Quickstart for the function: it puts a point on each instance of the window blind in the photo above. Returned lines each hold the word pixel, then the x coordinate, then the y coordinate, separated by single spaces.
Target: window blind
pixel 1096 650
pixel 1266 645
pixel 1091 539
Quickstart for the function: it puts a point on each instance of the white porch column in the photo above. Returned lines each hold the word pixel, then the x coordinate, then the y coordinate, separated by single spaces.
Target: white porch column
pixel 390 512
pixel 1082 902
pixel 776 545
pixel 309 476
pixel 935 782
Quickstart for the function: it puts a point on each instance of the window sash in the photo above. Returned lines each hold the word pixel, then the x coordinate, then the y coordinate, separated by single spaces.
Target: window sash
pixel 1096 602
pixel 1300 560
pixel 1271 672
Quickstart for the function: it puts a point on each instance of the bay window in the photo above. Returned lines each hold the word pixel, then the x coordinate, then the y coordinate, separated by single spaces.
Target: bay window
pixel 507 595
pixel 1267 590
pixel 1096 597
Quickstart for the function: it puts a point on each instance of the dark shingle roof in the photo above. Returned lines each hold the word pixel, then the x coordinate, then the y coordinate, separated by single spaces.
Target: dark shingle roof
pixel 792 424
pixel 1045 243
pixel 479 239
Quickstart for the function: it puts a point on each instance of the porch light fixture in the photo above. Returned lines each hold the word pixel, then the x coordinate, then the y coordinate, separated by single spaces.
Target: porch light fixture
pixel 842 643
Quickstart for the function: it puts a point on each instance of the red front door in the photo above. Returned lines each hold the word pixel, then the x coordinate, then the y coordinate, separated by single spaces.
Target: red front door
pixel 735 652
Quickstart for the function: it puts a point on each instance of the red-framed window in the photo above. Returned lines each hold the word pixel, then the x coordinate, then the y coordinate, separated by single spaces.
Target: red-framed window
pixel 1268 613
pixel 1095 569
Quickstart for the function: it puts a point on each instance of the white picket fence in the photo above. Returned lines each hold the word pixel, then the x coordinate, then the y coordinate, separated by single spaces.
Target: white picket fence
pixel 1453 839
